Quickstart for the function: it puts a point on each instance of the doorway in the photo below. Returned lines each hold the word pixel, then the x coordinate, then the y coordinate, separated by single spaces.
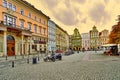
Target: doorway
pixel 10 45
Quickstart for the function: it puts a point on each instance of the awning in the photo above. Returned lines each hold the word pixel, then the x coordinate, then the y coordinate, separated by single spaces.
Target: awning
pixel 109 45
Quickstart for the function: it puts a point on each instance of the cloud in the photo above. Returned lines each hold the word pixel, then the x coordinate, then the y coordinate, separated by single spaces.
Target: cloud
pixel 106 1
pixel 51 3
pixel 84 21
pixel 81 1
pixel 67 3
pixel 98 14
pixel 67 17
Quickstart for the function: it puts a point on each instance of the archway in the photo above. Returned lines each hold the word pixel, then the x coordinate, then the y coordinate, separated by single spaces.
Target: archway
pixel 10 45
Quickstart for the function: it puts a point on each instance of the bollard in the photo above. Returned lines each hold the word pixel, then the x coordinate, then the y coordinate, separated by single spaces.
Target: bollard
pixel 38 59
pixel 15 56
pixel 23 56
pixel 34 60
pixel 6 57
pixel 28 61
pixel 12 64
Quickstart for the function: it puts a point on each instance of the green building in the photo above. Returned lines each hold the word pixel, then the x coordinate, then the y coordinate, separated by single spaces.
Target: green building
pixel 76 40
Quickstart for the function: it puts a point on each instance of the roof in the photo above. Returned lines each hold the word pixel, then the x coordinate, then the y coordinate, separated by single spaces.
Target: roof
pixel 25 2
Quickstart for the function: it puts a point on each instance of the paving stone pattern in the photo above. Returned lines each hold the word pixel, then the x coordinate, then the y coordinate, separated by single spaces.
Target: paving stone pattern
pixel 73 67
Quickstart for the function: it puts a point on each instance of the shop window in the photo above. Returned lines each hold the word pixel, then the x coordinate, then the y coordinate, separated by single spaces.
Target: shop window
pixel 34 47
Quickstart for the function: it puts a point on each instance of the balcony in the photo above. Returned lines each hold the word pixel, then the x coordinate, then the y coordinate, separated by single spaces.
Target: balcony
pixel 39 42
pixel 13 26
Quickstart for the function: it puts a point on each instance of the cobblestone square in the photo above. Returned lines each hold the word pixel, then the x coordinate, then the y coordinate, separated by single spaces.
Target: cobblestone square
pixel 95 66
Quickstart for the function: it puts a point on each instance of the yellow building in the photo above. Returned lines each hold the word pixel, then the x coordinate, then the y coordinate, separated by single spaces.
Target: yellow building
pixel 61 39
pixel 76 40
pixel 23 28
pixel 94 38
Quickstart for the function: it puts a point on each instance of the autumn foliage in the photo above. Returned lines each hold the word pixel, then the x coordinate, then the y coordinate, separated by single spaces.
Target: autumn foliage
pixel 114 36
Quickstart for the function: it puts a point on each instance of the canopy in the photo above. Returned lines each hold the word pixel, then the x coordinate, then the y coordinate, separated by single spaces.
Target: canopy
pixel 109 45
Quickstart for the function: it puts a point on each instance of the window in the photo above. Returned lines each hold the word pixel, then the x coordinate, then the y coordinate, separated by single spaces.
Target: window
pixel 4 3
pixel 35 18
pixel 9 20
pixel 35 29
pixel 40 20
pixel 21 24
pixel 10 6
pixel 14 8
pixel 29 26
pixel 5 19
pixel 35 38
pixel 21 12
pixel 40 30
pixel 44 22
pixel 14 22
pixel 29 15
pixel 44 31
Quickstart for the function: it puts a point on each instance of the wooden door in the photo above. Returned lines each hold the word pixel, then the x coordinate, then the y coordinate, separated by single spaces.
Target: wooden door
pixel 10 48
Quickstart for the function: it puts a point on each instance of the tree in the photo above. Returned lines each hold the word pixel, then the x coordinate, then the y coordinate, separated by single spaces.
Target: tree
pixel 114 36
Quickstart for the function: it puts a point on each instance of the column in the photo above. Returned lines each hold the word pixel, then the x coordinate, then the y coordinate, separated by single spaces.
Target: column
pixel 30 43
pixel 5 43
pixel 22 45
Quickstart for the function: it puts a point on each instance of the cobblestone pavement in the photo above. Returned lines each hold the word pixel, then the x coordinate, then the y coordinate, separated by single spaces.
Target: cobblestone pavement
pixel 73 67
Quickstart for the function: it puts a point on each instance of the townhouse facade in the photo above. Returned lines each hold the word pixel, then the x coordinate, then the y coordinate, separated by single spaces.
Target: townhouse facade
pixel 23 28
pixel 67 40
pixel 70 41
pixel 51 36
pixel 76 40
pixel 104 37
pixel 85 41
pixel 61 39
pixel 94 38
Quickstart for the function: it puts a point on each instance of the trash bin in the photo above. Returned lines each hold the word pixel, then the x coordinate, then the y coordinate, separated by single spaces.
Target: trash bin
pixel 34 60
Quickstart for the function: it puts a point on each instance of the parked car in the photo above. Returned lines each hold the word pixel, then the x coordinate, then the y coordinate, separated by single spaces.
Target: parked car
pixel 69 52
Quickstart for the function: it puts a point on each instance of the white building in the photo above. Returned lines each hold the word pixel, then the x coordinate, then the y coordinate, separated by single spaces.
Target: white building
pixel 51 36
pixel 85 40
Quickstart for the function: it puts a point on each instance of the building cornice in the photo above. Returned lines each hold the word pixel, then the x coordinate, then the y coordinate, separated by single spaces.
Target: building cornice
pixel 32 7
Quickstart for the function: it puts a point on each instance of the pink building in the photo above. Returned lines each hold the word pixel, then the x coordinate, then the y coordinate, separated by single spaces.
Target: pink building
pixel 104 37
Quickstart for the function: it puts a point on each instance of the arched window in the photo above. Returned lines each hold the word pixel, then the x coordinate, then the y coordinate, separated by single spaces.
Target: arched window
pixel 9 37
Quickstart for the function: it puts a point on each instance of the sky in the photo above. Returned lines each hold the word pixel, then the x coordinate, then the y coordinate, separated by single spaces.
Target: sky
pixel 81 14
